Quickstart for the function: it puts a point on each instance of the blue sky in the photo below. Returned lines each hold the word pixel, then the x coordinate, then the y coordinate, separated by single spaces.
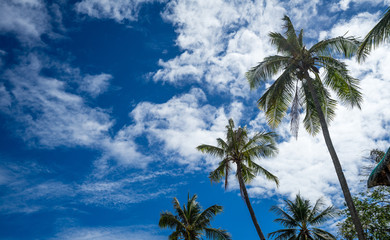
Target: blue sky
pixel 102 104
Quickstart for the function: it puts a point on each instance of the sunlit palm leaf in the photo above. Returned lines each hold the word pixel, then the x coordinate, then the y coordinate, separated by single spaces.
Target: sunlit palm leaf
pixel 346 46
pixel 266 69
pixel 376 36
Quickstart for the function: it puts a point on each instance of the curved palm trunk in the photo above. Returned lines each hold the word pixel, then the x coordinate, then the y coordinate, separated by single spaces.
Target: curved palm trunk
pixel 248 203
pixel 336 162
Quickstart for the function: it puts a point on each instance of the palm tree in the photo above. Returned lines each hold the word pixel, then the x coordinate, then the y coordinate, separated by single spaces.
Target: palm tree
pixel 191 223
pixel 239 149
pixel 377 35
pixel 297 87
pixel 300 220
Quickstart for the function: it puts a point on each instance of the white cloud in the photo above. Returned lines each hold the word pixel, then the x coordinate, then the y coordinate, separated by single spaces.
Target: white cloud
pixel 28 19
pixel 220 41
pixel 118 10
pixel 107 233
pixel 345 4
pixel 55 116
pixel 95 84
pixel 358 26
pixel 183 123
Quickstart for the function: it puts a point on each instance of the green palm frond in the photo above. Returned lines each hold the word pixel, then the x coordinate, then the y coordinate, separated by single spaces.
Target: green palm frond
pixel 323 216
pixel 168 220
pixel 207 215
pixel 322 234
pixel 346 46
pixel 179 211
pixel 291 35
pixel 376 36
pixel 212 150
pixel 286 220
pixel 217 234
pixel 283 234
pixel 259 170
pixel 345 86
pixel 276 99
pixel 266 69
pixel 222 170
pixel 175 236
pixel 247 173
pixel 282 44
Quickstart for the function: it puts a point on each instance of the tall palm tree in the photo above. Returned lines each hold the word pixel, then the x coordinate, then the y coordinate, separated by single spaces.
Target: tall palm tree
pixel 241 150
pixel 297 87
pixel 301 219
pixel 377 35
pixel 191 223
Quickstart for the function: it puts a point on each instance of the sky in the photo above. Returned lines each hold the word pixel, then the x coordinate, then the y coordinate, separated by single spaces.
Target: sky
pixel 103 102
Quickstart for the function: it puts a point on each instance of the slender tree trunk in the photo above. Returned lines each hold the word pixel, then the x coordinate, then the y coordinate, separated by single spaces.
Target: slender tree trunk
pixel 336 162
pixel 248 203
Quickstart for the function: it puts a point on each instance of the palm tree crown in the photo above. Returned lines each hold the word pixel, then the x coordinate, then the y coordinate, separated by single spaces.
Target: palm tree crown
pixel 239 149
pixel 301 219
pixel 191 223
pixel 291 88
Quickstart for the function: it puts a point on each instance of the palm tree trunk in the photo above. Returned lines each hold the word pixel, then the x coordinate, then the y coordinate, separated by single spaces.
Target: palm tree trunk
pixel 336 162
pixel 244 193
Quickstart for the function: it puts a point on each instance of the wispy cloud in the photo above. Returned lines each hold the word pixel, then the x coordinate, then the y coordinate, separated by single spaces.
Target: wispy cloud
pixel 118 10
pixel 32 188
pixel 27 19
pixel 106 233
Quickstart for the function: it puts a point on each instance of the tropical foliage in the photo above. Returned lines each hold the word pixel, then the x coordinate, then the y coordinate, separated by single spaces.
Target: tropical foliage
pixel 377 35
pixel 241 150
pixel 300 88
pixel 191 223
pixel 373 207
pixel 301 220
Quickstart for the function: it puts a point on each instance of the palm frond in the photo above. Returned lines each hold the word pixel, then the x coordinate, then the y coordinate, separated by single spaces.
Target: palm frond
pixel 376 36
pixel 220 172
pixel 265 70
pixel 212 150
pixel 283 234
pixel 328 105
pixel 259 170
pixel 345 86
pixel 291 35
pixel 346 46
pixel 247 173
pixel 204 218
pixel 322 234
pixel 175 235
pixel 181 213
pixel 286 219
pixel 168 220
pixel 275 101
pixel 282 44
pixel 323 216
pixel 217 234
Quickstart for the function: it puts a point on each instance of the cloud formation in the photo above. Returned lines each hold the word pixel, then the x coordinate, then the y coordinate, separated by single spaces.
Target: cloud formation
pixel 118 10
